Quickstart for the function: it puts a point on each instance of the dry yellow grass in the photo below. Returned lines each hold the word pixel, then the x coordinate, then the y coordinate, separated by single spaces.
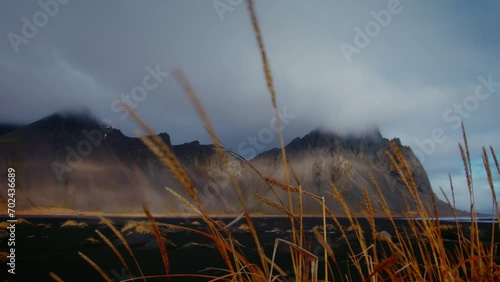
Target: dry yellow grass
pixel 55 277
pixel 134 226
pixel 417 253
pixel 115 251
pixel 244 227
pixel 23 221
pixel 159 240
pixel 117 233
pixel 95 266
pixel 92 241
pixel 74 224
pixel 20 221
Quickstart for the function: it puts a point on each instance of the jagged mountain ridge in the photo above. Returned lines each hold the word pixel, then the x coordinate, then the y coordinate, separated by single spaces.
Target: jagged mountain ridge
pixel 321 157
pixel 116 173
pixel 370 147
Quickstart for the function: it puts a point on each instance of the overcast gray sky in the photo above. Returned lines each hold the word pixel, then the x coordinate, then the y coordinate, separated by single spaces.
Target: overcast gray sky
pixel 410 67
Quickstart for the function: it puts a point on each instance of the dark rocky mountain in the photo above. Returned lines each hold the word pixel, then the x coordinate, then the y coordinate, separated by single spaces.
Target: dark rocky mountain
pixel 74 162
pixel 321 157
pixel 7 127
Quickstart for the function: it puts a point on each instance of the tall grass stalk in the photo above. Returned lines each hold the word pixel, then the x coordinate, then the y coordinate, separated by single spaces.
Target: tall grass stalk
pixel 417 252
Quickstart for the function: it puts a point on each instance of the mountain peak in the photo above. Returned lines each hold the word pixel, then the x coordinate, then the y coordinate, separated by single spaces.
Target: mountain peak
pixel 77 120
pixel 113 163
pixel 370 132
pixel 323 138
pixel 166 138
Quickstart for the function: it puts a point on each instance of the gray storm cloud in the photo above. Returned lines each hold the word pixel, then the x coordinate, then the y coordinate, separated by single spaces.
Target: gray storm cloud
pixel 420 64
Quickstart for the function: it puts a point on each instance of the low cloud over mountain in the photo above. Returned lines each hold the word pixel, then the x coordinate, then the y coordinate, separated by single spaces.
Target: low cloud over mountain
pixel 73 161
